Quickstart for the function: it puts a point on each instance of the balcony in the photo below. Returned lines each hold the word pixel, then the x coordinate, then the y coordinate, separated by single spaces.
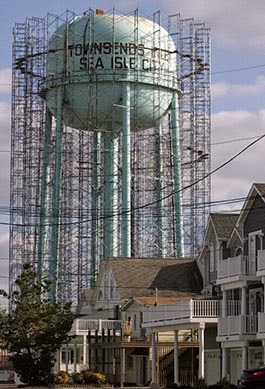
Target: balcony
pixel 82 326
pixel 237 327
pixel 191 311
pixel 240 268
pixel 261 263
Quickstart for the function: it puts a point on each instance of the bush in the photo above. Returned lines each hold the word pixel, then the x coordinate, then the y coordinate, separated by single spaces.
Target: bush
pixel 78 378
pixel 92 377
pixel 62 377
pixel 200 384
pixel 223 383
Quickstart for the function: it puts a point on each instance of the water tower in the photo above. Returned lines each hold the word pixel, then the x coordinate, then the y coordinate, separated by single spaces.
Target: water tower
pixel 99 169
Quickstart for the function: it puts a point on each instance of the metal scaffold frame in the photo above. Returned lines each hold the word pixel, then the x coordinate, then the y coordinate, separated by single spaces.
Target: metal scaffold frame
pixel 63 219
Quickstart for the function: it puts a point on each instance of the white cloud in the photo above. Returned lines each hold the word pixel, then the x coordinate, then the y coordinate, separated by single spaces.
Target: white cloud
pixel 236 178
pixel 237 24
pixel 5 81
pixel 225 89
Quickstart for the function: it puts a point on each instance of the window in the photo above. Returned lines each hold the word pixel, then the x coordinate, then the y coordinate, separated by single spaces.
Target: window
pixel 100 296
pixel 212 264
pixel 105 287
pixel 111 295
pixel 134 322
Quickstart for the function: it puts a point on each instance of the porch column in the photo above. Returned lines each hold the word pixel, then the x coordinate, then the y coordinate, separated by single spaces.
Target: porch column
pixel 224 361
pixel 263 281
pixel 122 366
pixel 176 358
pixel 201 350
pixel 153 346
pixel 66 357
pixel 75 355
pixel 244 301
pixel 244 358
pixel 84 350
pixel 59 359
pixel 224 304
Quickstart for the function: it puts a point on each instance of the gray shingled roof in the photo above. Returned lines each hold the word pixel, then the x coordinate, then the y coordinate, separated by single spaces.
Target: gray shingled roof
pixel 224 223
pixel 140 276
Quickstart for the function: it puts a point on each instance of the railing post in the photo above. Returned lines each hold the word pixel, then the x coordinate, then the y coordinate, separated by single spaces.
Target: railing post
pixel 99 326
pixel 191 308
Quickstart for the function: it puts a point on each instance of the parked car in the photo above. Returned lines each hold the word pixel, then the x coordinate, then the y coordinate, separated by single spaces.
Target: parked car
pixel 253 378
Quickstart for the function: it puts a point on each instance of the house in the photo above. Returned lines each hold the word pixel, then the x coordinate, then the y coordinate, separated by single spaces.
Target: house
pixel 215 247
pixel 241 275
pixel 232 262
pixel 110 336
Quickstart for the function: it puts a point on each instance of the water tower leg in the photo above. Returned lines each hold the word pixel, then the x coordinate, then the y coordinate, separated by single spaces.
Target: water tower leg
pixel 159 195
pixel 95 207
pixel 126 171
pixel 177 176
pixel 110 194
pixel 56 198
pixel 44 179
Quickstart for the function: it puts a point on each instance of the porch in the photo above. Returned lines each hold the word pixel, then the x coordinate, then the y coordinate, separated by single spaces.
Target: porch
pixel 237 328
pixel 183 312
pixel 239 268
pixel 195 314
pixel 95 326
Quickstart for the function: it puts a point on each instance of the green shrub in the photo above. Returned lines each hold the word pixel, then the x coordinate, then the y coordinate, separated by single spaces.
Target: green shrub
pixel 200 384
pixel 62 377
pixel 223 383
pixel 92 377
pixel 78 378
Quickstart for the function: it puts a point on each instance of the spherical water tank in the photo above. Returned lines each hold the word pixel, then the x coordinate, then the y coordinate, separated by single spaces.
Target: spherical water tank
pixel 90 59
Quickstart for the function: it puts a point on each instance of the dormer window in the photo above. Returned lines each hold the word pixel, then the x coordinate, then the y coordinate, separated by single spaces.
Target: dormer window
pixel 212 261
pixel 105 286
pixel 111 289
pixel 100 296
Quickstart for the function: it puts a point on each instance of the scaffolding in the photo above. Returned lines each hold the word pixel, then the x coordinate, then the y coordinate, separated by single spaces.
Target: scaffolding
pixel 59 207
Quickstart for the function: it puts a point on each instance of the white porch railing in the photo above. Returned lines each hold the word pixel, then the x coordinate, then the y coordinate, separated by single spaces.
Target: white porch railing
pixel 181 311
pixel 261 323
pixel 84 325
pixel 237 325
pixel 261 260
pixel 236 266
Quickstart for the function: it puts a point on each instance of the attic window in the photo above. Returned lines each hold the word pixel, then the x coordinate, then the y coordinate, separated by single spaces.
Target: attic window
pixel 106 287
pixel 100 295
pixel 111 289
pixel 212 257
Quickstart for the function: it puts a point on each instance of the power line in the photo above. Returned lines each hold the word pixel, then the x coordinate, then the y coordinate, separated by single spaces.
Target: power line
pixel 238 69
pixel 234 140
pixel 153 202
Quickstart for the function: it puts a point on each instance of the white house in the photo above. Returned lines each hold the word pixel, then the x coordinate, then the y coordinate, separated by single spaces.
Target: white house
pixel 111 338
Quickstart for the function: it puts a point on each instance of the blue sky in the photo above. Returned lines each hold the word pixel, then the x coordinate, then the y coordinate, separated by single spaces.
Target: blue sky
pixel 238 97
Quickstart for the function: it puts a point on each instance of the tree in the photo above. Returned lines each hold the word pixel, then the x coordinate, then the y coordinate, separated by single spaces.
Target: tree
pixel 35 329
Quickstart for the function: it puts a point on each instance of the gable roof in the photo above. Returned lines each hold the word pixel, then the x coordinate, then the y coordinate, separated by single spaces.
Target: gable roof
pixel 224 223
pixel 261 189
pixel 141 276
pixel 256 189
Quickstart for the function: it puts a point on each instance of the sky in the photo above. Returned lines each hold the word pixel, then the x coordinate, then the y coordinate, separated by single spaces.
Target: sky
pixel 237 86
